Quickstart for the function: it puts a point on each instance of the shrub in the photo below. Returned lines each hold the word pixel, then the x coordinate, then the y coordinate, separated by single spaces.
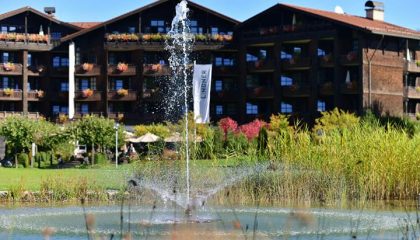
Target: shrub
pixel 157 129
pixel 335 120
pixel 252 129
pixel 279 123
pixel 227 125
pixel 23 159
pixel 101 159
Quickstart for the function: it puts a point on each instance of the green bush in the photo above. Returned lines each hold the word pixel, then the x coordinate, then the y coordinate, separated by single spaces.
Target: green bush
pixel 157 129
pixel 335 120
pixel 23 159
pixel 101 159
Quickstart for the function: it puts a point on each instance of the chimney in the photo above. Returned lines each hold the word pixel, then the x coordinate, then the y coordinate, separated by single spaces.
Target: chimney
pixel 375 10
pixel 50 11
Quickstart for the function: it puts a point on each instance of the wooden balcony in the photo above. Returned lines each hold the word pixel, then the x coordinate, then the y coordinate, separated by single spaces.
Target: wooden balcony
pixel 35 96
pixel 350 59
pixel 350 88
pixel 261 66
pixel 299 63
pixel 82 97
pixel 116 96
pixel 21 41
pixel 14 95
pixel 37 71
pixel 155 70
pixel 326 61
pixel 225 70
pixel 31 115
pixel 88 70
pixel 79 115
pixel 295 91
pixel 14 69
pixel 412 67
pixel 326 89
pixel 152 95
pixel 113 70
pixel 225 95
pixel 412 92
pixel 261 93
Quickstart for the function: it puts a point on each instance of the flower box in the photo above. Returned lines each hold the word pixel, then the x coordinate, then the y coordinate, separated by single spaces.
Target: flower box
pixel 87 67
pixel 87 93
pixel 40 93
pixel 122 67
pixel 122 92
pixel 8 91
pixel 8 67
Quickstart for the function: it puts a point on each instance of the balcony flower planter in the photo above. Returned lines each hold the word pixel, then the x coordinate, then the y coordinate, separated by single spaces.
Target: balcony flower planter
pixel 259 63
pixel 87 93
pixel 87 67
pixel 201 38
pixel 122 67
pixel 8 92
pixel 122 92
pixel 327 58
pixel 153 68
pixel 8 67
pixel 418 63
pixel 40 93
pixel 418 89
pixel 124 37
pixel 62 118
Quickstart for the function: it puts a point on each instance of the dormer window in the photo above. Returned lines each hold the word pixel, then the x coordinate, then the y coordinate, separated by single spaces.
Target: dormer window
pixel 214 30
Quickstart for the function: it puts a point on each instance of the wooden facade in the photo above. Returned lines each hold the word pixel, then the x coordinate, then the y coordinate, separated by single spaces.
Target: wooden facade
pixel 286 60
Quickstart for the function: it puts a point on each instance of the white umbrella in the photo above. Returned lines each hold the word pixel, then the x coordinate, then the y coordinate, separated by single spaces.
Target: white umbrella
pixel 175 137
pixel 148 138
pixel 294 19
pixel 348 77
pixel 41 31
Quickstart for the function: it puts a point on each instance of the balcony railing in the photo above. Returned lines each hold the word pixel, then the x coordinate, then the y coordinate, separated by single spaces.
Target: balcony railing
pixel 349 59
pixel 412 92
pixel 118 70
pixel 31 115
pixel 326 89
pixel 225 70
pixel 287 28
pixel 296 91
pixel 38 70
pixel 11 69
pixel 10 94
pixel 152 94
pixel 79 115
pixel 88 69
pixel 122 95
pixel 156 70
pixel 412 66
pixel 18 41
pixel 88 96
pixel 225 95
pixel 262 92
pixel 350 88
pixel 296 63
pixel 262 65
pixel 157 41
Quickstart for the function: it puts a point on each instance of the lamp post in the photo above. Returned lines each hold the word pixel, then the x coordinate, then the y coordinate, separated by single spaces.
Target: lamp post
pixel 116 126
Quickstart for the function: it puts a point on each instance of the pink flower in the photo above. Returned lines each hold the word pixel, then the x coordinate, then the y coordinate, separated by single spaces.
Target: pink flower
pixel 228 125
pixel 252 129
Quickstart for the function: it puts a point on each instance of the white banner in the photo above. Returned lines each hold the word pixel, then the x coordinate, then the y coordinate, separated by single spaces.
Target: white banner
pixel 201 92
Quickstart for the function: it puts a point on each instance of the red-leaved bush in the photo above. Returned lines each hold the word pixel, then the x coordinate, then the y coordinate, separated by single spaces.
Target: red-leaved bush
pixel 228 125
pixel 252 129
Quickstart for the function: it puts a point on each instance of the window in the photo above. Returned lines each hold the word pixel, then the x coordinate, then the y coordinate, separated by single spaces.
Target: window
pixel 5 57
pixel 355 45
pixel 29 59
pixel 5 82
pixel 297 50
pixel 159 25
pixel 64 86
pixel 64 62
pixel 3 29
pixel 84 84
pixel 57 109
pixel 321 52
pixel 131 29
pixel 214 30
pixel 55 35
pixel 194 26
pixel 321 106
pixel 251 109
pixel 286 108
pixel 112 59
pixel 286 81
pixel 84 108
pixel 218 86
pixel 219 110
pixel 56 62
pixel 251 58
pixel 218 61
pixel 285 55
pixel 228 62
pixel 12 29
pixel 119 84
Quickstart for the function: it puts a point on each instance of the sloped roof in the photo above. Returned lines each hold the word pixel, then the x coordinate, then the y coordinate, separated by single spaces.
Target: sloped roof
pixel 151 5
pixel 85 25
pixel 365 24
pixel 29 9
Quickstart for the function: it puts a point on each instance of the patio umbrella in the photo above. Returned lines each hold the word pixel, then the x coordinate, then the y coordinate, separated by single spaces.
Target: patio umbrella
pixel 175 137
pixel 148 138
pixel 348 77
pixel 41 31
pixel 294 19
pixel 128 136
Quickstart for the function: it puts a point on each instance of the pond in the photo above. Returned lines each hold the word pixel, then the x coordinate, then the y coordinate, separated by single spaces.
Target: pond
pixel 164 221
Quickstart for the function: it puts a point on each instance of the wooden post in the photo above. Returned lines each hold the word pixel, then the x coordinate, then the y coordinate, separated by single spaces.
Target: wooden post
pixel 25 83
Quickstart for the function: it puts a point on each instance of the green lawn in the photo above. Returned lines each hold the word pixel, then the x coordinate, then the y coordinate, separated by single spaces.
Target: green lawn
pixel 106 177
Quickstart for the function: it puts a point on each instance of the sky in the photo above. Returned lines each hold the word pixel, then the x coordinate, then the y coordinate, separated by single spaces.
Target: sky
pixel 400 12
